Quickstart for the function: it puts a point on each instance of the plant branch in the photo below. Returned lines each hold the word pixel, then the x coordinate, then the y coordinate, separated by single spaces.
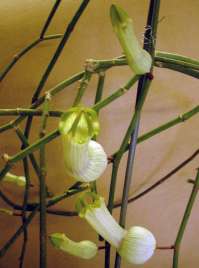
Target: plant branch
pixel 160 181
pixel 184 222
pixel 143 87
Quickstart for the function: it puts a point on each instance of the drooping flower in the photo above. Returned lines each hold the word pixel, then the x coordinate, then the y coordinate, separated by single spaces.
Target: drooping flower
pixel 85 159
pixel 135 245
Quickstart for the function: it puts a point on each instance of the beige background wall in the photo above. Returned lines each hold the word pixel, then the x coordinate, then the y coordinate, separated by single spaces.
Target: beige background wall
pixel 171 94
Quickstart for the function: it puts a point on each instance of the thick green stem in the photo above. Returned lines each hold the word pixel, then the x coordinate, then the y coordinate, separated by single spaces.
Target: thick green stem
pixel 185 221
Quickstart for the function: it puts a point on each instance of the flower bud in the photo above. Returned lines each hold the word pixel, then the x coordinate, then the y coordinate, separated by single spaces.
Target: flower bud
pixel 139 60
pixel 83 249
pixel 12 178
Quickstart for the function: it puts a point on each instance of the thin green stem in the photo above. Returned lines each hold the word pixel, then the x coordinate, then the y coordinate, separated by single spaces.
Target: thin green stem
pixel 179 119
pixel 52 92
pixel 9 243
pixel 24 212
pixel 160 181
pixel 34 210
pixel 177 57
pixel 26 112
pixel 184 222
pixel 49 19
pixel 179 68
pixel 59 49
pixel 118 93
pixel 42 187
pixel 82 87
pixel 98 97
pixel 18 56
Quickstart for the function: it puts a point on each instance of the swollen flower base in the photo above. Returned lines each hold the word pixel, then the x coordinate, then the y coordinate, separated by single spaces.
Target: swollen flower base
pixel 83 249
pixel 135 245
pixel 85 160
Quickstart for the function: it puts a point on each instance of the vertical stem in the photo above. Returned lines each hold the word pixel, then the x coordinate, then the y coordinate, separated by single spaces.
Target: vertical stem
pixel 185 221
pixel 59 49
pixel 43 233
pixel 82 87
pixel 49 19
pixel 98 97
pixel 143 86
pixel 25 201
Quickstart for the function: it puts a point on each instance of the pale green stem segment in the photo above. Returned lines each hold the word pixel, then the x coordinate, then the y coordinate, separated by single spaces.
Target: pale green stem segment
pixel 185 221
pixel 83 249
pixel 139 60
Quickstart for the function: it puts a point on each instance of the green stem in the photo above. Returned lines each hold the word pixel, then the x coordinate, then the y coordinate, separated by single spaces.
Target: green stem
pixel 143 87
pixel 178 57
pixel 18 56
pixel 185 221
pixel 54 134
pixel 49 19
pixel 160 181
pixel 59 49
pixel 121 91
pixel 98 97
pixel 83 85
pixel 52 92
pixel 26 112
pixel 24 211
pixel 42 187
pixel 179 68
pixel 34 209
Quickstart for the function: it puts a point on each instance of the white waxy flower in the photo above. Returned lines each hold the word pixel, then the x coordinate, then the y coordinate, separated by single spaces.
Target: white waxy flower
pixel 12 178
pixel 85 160
pixel 138 245
pixel 139 60
pixel 83 249
pixel 98 216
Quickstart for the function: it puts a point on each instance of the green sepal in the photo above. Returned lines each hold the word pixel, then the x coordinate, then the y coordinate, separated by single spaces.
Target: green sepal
pixel 80 124
pixel 139 60
pixel 82 205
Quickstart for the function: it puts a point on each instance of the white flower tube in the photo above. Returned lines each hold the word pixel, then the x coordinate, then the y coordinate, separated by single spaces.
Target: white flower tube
pixel 83 249
pixel 85 159
pixel 12 178
pixel 139 60
pixel 136 245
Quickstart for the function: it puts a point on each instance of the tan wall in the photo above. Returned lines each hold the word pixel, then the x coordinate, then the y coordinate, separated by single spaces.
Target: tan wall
pixel 171 94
